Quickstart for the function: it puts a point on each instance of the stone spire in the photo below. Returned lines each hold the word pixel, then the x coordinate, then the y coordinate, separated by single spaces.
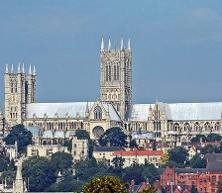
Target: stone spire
pixel 19 68
pixel 129 46
pixel 12 68
pixel 23 68
pixel 102 45
pixel 121 44
pixel 6 69
pixel 18 186
pixel 34 71
pixel 87 109
pixel 30 69
pixel 109 44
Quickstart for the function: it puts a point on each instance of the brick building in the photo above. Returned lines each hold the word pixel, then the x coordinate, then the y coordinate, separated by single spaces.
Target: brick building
pixel 205 180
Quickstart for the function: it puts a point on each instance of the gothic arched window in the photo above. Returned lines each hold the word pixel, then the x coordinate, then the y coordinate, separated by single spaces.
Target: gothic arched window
pixel 98 113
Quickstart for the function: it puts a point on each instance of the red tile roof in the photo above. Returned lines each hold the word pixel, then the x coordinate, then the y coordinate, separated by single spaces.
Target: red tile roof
pixel 138 153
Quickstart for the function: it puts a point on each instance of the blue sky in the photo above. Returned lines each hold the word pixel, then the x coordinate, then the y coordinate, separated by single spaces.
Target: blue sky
pixel 176 44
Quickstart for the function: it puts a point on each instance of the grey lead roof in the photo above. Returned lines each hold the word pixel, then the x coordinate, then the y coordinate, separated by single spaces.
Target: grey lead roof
pixel 180 111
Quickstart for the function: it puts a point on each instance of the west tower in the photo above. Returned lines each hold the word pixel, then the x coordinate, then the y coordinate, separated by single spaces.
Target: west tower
pixel 20 89
pixel 116 77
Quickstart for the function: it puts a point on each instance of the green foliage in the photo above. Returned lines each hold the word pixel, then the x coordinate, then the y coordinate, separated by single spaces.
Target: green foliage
pixel 140 173
pixel 198 138
pixel 9 176
pixel 219 187
pixel 68 144
pixel 150 189
pixel 133 144
pixel 40 172
pixel 113 137
pixel 105 184
pixel 82 134
pixel 61 161
pixel 177 157
pixel 118 162
pixel 208 149
pixel 198 162
pixel 87 169
pixel 20 134
pixel 214 137
pixel 69 184
pixel 5 163
pixel 194 189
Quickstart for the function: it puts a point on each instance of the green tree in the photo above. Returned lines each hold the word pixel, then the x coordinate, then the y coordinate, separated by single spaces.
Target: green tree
pixel 177 157
pixel 150 189
pixel 87 169
pixel 214 137
pixel 61 161
pixel 5 163
pixel 219 190
pixel 20 134
pixel 208 149
pixel 68 144
pixel 113 137
pixel 9 175
pixel 198 138
pixel 194 189
pixel 40 172
pixel 197 162
pixel 105 184
pixel 118 162
pixel 140 173
pixel 82 134
pixel 69 184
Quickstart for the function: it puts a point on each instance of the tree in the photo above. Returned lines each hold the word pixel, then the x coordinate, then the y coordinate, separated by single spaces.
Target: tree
pixel 118 162
pixel 113 137
pixel 194 189
pixel 61 161
pixel 68 144
pixel 5 163
pixel 198 138
pixel 177 156
pixel 140 173
pixel 150 189
pixel 197 162
pixel 208 149
pixel 214 137
pixel 69 184
pixel 40 172
pixel 219 190
pixel 105 184
pixel 87 169
pixel 164 159
pixel 82 134
pixel 20 134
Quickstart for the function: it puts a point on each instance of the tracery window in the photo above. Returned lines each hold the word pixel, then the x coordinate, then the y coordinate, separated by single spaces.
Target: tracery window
pixel 217 126
pixel 176 127
pixel 197 126
pixel 98 113
pixel 207 126
pixel 186 127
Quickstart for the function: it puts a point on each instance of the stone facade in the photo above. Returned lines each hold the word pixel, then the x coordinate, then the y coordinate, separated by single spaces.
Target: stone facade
pixel 173 123
pixel 116 77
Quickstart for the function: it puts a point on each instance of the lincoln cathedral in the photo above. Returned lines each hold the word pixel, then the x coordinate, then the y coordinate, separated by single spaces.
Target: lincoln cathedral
pixel 175 122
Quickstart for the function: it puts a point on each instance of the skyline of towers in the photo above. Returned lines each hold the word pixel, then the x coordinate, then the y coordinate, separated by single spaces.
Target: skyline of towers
pixel 116 77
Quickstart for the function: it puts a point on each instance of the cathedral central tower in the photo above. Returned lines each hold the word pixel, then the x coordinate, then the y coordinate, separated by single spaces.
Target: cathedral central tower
pixel 116 77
